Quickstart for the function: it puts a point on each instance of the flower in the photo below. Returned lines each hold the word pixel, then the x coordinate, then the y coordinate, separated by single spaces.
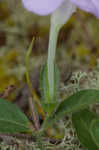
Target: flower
pixel 46 7
pixel 61 11
pixel 91 6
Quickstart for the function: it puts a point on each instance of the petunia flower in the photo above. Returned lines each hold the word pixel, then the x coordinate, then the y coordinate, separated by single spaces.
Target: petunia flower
pixel 45 7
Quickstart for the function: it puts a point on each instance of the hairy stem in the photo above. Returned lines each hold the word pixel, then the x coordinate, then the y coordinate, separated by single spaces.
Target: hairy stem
pixel 51 57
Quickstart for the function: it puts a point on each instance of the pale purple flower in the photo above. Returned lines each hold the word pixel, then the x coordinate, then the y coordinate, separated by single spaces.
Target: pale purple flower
pixel 45 7
pixel 91 6
pixel 61 11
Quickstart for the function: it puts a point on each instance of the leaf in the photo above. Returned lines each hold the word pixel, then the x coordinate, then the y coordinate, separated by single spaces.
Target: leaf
pixel 76 102
pixel 50 107
pixel 12 120
pixel 44 86
pixel 27 68
pixel 82 121
pixel 47 103
pixel 95 131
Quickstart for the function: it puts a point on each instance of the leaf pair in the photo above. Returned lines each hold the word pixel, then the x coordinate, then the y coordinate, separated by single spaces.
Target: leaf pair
pixel 85 122
pixel 12 120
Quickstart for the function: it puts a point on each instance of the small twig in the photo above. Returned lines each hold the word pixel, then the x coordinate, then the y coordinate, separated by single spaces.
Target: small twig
pixel 7 91
pixel 34 117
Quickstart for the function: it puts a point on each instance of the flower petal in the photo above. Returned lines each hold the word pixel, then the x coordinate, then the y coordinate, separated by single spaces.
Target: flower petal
pixel 63 13
pixel 91 6
pixel 96 3
pixel 42 7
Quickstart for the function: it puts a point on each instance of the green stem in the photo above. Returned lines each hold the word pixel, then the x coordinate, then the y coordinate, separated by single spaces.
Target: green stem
pixel 51 57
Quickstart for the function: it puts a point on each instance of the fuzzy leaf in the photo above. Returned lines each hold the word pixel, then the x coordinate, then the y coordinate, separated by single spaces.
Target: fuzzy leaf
pixel 12 120
pixel 76 102
pixel 82 121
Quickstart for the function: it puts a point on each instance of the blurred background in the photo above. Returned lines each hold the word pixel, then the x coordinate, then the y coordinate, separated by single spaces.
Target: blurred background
pixel 77 48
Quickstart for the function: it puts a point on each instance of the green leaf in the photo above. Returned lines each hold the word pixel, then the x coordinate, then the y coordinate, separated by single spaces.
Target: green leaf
pixel 12 120
pixel 50 107
pixel 82 121
pixel 44 87
pixel 95 131
pixel 76 102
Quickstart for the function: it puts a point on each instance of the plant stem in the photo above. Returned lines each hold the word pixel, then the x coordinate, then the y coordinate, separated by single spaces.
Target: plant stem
pixel 34 115
pixel 51 57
